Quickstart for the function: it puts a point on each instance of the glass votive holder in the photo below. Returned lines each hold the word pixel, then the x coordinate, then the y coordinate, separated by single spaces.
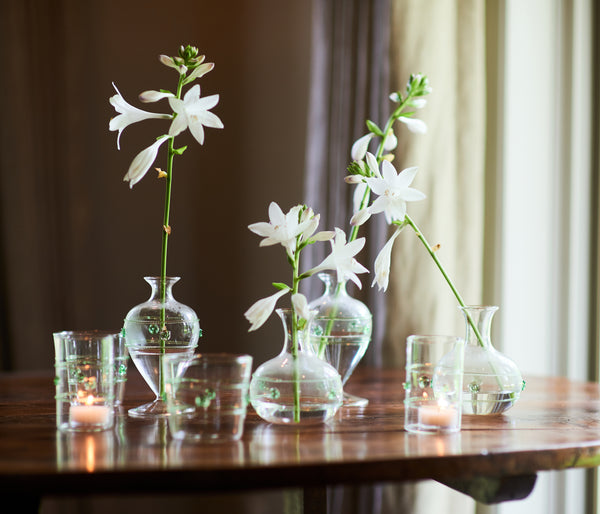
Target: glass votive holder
pixel 207 395
pixel 434 375
pixel 85 380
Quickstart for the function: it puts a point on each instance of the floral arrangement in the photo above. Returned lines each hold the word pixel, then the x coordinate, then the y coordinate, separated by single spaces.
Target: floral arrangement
pixel 188 112
pixel 392 188
pixel 294 231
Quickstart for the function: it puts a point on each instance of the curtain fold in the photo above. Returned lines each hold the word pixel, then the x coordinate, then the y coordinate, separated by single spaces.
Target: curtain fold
pixel 352 77
pixel 349 84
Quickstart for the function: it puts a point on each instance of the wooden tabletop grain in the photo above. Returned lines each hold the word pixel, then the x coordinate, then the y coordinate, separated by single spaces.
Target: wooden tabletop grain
pixel 555 425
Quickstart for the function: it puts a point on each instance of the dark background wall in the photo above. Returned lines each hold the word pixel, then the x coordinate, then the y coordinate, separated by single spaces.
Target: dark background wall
pixel 75 241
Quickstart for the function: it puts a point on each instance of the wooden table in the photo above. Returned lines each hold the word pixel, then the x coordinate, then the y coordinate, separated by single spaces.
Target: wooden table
pixel 555 425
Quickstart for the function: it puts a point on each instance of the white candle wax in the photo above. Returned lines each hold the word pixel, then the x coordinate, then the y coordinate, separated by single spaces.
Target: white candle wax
pixel 438 416
pixel 89 414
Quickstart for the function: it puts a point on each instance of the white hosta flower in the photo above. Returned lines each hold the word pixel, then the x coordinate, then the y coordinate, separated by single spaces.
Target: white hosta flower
pixel 142 162
pixel 383 262
pixel 360 217
pixel 391 142
pixel 360 146
pixel 282 228
pixel 154 96
pixel 262 309
pixel 414 125
pixel 357 198
pixel 200 71
pixel 128 114
pixel 341 259
pixel 193 113
pixel 300 304
pixel 372 164
pixel 419 103
pixel 393 192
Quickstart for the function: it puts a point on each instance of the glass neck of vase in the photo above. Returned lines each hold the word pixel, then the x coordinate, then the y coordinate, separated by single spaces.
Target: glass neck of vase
pixel 332 286
pixel 294 336
pixel 481 317
pixel 161 289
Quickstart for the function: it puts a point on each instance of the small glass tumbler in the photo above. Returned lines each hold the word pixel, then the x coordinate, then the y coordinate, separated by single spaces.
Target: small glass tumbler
pixel 207 395
pixel 85 380
pixel 434 375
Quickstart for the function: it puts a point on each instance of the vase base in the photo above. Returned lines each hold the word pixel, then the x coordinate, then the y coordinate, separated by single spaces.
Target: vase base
pixel 152 410
pixel 349 400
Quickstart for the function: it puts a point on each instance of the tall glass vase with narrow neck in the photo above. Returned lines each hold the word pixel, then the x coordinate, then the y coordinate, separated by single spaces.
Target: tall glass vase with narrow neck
pixel 161 325
pixel 492 382
pixel 340 331
pixel 295 387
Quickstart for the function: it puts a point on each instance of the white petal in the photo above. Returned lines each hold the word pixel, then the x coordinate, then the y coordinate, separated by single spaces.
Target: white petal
pixel 360 146
pixel 200 71
pixel 142 162
pixel 383 262
pixel 260 311
pixel 360 217
pixel 359 194
pixel 372 163
pixel 391 142
pixel 301 306
pixel 414 125
pixel 154 96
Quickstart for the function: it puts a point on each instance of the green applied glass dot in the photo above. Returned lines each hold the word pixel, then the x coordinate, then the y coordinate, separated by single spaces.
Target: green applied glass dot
pixel 406 386
pixel 424 381
pixel 122 370
pixel 274 393
pixel 332 395
pixel 153 329
pixel 474 387
pixel 318 331
pixel 56 381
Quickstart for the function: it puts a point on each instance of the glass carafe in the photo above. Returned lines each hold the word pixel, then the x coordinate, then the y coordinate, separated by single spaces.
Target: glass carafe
pixel 492 383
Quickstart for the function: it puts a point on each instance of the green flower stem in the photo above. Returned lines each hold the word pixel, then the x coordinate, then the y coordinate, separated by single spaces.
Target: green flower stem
pixel 296 364
pixel 165 237
pixel 431 252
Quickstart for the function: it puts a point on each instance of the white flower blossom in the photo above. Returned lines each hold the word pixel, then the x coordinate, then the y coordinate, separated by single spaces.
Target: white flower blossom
pixel 300 304
pixel 393 192
pixel 128 114
pixel 193 113
pixel 154 96
pixel 142 162
pixel 360 146
pixel 341 259
pixel 262 309
pixel 414 125
pixel 282 228
pixel 383 262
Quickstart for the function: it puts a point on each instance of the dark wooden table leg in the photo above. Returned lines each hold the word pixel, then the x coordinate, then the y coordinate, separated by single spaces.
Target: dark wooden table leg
pixel 315 500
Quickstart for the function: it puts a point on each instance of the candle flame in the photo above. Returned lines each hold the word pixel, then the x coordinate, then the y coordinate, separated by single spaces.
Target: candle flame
pixel 89 400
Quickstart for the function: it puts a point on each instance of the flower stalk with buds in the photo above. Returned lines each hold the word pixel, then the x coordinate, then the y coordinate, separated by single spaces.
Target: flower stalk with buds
pixel 190 112
pixel 392 188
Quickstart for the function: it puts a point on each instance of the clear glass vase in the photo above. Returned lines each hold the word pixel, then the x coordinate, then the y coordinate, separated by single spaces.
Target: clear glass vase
pixel 492 383
pixel 296 387
pixel 161 325
pixel 341 330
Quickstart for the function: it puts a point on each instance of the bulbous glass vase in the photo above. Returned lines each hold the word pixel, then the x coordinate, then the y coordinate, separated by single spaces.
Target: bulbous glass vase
pixel 296 387
pixel 161 325
pixel 340 332
pixel 492 382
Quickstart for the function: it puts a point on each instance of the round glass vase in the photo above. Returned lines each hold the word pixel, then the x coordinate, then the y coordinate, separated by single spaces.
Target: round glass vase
pixel 159 326
pixel 492 382
pixel 296 387
pixel 341 330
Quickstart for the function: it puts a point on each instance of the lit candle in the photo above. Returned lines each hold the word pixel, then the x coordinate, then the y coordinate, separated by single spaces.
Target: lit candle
pixel 89 414
pixel 438 416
